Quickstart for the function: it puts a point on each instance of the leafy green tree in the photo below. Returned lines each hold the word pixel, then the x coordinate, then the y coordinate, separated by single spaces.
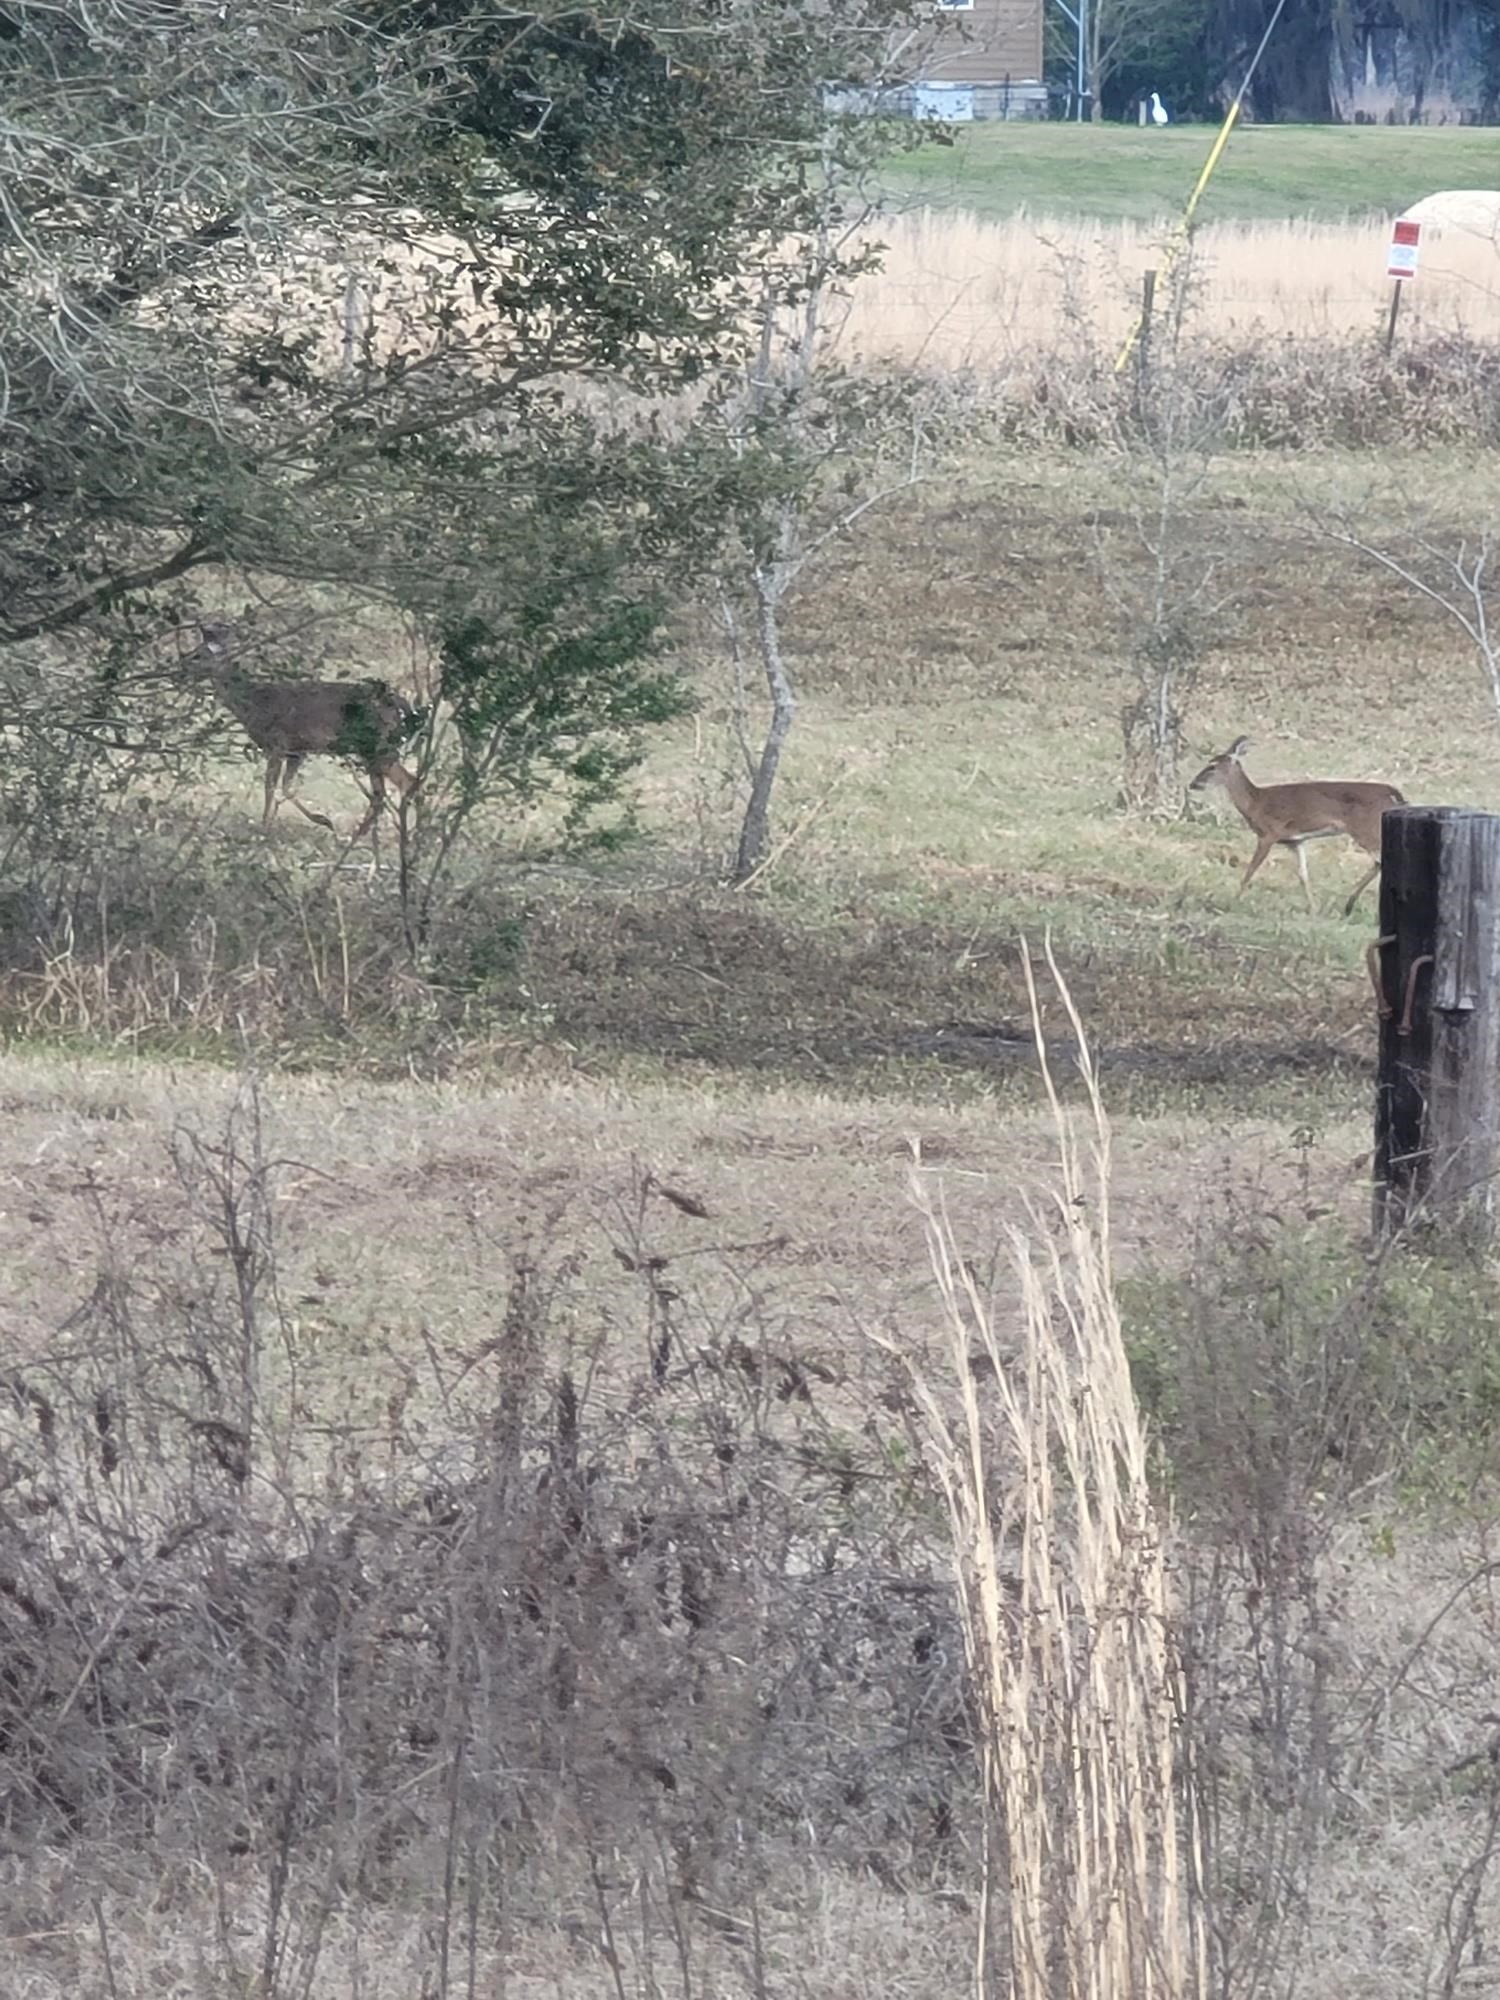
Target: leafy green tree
pixel 328 295
pixel 1293 79
pixel 1311 41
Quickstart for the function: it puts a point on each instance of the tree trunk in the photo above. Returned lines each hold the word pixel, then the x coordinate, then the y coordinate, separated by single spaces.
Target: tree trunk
pixel 1294 81
pixel 1153 743
pixel 755 833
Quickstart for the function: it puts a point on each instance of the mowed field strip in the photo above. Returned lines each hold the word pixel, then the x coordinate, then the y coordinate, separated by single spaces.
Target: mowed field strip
pixel 1269 173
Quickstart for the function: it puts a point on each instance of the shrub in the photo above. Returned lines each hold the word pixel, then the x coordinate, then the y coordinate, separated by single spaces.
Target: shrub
pixel 578 1619
pixel 1290 1349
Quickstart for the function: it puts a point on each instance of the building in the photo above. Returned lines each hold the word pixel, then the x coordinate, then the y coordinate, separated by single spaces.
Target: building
pixel 980 59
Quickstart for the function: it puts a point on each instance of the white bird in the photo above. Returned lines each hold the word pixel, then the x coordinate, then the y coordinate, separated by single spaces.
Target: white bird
pixel 1158 110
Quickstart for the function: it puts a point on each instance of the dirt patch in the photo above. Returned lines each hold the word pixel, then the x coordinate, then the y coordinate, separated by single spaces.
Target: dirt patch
pixel 773 992
pixel 1026 595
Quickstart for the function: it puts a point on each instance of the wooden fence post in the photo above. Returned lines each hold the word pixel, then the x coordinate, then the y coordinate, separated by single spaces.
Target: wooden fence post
pixel 1140 401
pixel 1437 1096
pixel 1390 325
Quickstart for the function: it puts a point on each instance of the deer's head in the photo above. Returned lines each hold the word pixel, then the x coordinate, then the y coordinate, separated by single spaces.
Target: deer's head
pixel 1221 769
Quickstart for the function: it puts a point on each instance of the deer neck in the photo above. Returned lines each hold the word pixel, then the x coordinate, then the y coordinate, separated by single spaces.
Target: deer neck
pixel 231 684
pixel 1243 791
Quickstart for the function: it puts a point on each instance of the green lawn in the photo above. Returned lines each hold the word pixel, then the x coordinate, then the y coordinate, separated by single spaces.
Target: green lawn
pixel 1268 172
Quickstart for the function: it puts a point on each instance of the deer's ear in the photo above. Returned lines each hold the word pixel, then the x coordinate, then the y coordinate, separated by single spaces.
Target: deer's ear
pixel 1238 747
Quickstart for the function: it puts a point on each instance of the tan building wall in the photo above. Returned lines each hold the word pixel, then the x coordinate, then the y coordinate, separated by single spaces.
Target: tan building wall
pixel 985 43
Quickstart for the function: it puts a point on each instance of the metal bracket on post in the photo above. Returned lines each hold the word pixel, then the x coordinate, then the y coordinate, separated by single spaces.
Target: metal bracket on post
pixel 1372 966
pixel 1413 969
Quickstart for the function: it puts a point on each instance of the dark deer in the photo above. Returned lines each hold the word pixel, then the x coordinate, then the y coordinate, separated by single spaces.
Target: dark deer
pixel 290 721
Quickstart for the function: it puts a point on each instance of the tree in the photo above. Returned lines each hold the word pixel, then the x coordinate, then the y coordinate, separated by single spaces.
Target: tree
pixel 1320 49
pixel 824 447
pixel 552 669
pixel 1166 52
pixel 547 203
pixel 1163 572
pixel 1133 47
pixel 1293 79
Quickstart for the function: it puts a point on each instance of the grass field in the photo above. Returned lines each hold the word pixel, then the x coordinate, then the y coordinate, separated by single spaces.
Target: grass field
pixel 957 290
pixel 580 1621
pixel 1269 173
pixel 959 759
pixel 664 1154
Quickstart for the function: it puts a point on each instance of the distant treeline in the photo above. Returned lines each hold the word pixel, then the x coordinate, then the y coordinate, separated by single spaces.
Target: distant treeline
pixel 1375 61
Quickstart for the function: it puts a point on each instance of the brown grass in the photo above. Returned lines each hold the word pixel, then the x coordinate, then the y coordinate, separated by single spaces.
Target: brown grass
pixel 397 1214
pixel 166 1933
pixel 1061 1565
pixel 957 291
pixel 385 1185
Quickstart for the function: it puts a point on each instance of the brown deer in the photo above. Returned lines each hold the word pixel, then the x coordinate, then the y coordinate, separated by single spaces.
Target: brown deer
pixel 291 721
pixel 1291 815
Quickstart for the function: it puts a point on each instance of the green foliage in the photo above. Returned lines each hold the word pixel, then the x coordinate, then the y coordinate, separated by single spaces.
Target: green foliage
pixel 492 955
pixel 1288 1351
pixel 541 702
pixel 618 192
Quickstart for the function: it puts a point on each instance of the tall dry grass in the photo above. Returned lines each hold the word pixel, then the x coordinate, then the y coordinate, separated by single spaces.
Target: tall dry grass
pixel 964 292
pixel 1063 1589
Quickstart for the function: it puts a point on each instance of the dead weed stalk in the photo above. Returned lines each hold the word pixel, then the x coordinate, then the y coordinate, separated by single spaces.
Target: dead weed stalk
pixel 1062 1574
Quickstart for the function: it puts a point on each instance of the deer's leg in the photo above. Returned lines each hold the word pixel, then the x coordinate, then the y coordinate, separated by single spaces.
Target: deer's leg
pixel 294 764
pixel 1360 887
pixel 273 774
pixel 377 801
pixel 397 774
pixel 1262 848
pixel 380 776
pixel 1299 848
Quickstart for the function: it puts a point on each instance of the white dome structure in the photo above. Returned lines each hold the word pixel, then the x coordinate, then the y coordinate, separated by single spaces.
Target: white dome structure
pixel 1464 211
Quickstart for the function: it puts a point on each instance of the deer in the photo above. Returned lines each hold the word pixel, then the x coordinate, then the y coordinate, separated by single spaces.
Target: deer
pixel 290 721
pixel 1292 815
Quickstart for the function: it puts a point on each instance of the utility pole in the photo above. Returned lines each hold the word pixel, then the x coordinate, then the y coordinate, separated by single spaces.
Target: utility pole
pixel 1080 22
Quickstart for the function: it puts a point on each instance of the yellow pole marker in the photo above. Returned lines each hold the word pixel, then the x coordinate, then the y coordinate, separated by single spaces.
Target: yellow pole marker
pixel 1211 162
pixel 1182 234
